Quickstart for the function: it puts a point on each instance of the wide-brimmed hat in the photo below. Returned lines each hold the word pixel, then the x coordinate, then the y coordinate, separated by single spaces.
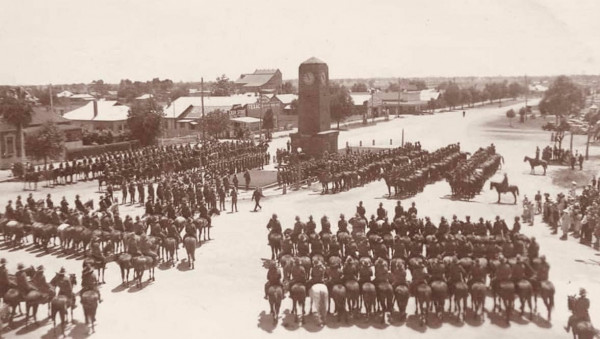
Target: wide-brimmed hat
pixel 40 268
pixel 2 261
pixel 20 266
pixel 62 271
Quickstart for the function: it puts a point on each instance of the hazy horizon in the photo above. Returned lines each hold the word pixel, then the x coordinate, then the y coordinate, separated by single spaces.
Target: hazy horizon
pixel 67 41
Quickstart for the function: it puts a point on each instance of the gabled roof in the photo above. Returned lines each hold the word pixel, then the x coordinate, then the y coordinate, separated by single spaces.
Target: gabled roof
pixel 108 110
pixel 65 94
pixel 256 79
pixel 286 99
pixel 82 97
pixel 428 94
pixel 182 104
pixel 359 98
pixel 41 116
pixel 144 97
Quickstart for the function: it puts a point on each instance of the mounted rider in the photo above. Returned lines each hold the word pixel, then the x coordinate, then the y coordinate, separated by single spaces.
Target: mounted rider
pixel 89 282
pixel 23 283
pixel 580 309
pixel 273 277
pixel 96 251
pixel 65 288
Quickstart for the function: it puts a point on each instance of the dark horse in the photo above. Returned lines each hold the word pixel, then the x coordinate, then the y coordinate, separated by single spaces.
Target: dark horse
pixel 535 163
pixel 500 189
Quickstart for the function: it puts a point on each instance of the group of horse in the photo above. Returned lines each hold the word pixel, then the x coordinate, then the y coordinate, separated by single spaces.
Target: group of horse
pixel 345 255
pixel 62 175
pixel 408 175
pixel 467 179
pixel 44 293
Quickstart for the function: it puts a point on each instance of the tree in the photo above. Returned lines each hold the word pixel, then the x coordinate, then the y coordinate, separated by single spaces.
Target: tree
pixel 340 103
pixel 223 86
pixel 215 122
pixel 359 87
pixel 522 113
pixel 268 122
pixel 145 121
pixel 47 143
pixel 465 97
pixel 420 84
pixel 510 114
pixel 99 87
pixel 515 89
pixel 452 95
pixel 562 98
pixel 559 134
pixel 288 88
pixel 17 111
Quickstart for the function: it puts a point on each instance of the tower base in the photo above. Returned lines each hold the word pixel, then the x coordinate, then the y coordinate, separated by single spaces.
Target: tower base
pixel 315 145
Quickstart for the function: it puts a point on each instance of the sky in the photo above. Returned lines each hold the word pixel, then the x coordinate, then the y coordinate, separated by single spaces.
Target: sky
pixel 74 41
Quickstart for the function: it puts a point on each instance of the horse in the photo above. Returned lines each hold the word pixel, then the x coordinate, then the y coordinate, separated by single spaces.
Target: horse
pixel 461 292
pixel 369 297
pixel 478 290
pixel 190 244
pixel 385 298
pixel 99 265
pixel 500 189
pixel 60 305
pixel 140 264
pixel 525 292
pixel 401 294
pixel 439 293
pixel 423 302
pixel 298 294
pixel 352 295
pixel 89 302
pixel 124 261
pixel 536 162
pixel 338 294
pixel 275 294
pixel 506 291
pixel 170 247
pixel 546 291
pixel 275 241
pixel 319 295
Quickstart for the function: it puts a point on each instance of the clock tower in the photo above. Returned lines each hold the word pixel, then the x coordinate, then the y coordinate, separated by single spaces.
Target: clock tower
pixel 314 135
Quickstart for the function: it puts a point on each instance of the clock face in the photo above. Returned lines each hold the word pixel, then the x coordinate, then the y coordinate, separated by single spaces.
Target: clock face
pixel 308 78
pixel 322 78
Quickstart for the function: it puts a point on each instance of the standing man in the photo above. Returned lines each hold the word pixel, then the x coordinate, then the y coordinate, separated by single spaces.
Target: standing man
pixel 234 195
pixel 580 159
pixel 256 196
pixel 247 179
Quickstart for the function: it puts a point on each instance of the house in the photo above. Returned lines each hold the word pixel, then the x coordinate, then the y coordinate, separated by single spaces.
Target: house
pixel 397 102
pixel 64 94
pixel 82 97
pixel 261 81
pixel 182 114
pixel 285 100
pixel 100 115
pixel 144 97
pixel 10 146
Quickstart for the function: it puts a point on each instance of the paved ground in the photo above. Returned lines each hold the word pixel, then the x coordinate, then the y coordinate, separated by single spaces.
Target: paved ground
pixel 222 297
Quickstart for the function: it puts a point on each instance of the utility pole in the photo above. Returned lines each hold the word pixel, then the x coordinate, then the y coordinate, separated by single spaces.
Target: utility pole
pixel 202 101
pixel 398 108
pixel 51 101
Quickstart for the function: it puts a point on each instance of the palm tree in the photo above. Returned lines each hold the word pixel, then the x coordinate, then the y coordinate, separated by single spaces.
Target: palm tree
pixel 15 110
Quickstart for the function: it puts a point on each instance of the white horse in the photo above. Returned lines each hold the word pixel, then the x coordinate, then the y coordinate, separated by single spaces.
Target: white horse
pixel 319 295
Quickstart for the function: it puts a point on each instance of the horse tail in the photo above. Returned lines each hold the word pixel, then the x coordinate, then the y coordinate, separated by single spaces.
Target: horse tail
pixel 323 299
pixel 517 189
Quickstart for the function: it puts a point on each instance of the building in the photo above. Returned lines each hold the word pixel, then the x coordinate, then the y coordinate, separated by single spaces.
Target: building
pixel 10 147
pixel 100 115
pixel 261 81
pixel 397 103
pixel 285 100
pixel 182 114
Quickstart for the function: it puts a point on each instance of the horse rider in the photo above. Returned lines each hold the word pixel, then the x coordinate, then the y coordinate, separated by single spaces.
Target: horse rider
pixel 298 273
pixel 146 248
pixel 503 273
pixel 97 253
pixel 381 212
pixel 537 153
pixel 580 310
pixel 89 282
pixel 172 232
pixel 274 226
pixel 4 278
pixel 311 226
pixel 23 283
pixel 39 280
pixel 317 275
pixel 65 288
pixel 190 230
pixel 342 224
pixel 360 209
pixel 419 276
pixel 79 205
pixel 273 277
pixel 504 183
pixel 412 210
pixel 456 273
pixel 398 210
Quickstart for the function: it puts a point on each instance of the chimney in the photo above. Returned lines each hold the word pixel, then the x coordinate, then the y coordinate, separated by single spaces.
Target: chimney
pixel 95 109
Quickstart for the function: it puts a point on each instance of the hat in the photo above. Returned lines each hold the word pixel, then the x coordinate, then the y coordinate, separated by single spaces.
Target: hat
pixel 582 292
pixel 2 261
pixel 20 266
pixel 62 271
pixel 40 268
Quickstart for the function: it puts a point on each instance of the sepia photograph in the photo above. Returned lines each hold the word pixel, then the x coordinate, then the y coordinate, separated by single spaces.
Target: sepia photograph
pixel 300 169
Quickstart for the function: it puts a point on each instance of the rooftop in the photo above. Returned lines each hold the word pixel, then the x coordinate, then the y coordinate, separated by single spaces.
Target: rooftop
pixel 181 104
pixel 108 110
